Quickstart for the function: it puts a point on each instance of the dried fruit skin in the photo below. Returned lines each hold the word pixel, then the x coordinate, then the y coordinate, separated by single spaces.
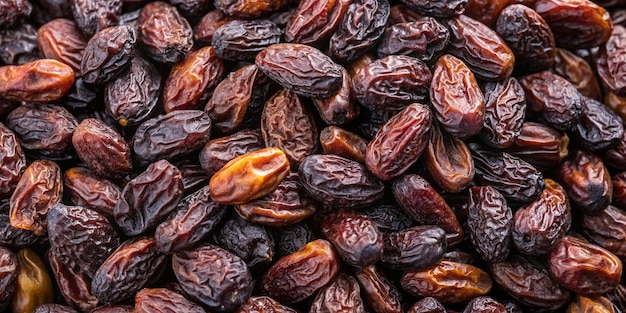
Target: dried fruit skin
pixel 457 101
pixel 599 128
pixel 94 16
pixel 108 54
pixel 12 161
pixel 424 39
pixel 263 304
pixel 378 291
pixel 414 248
pixel 355 237
pixel 441 9
pixel 204 30
pixel 587 181
pixel 582 304
pixel 102 148
pixel 448 160
pixel 338 141
pixel 490 221
pixel 217 152
pixel 299 275
pixel 610 63
pixel 252 242
pixel 340 108
pixel 149 198
pixel 213 276
pixel 165 35
pixel 39 188
pixel 448 282
pixel 250 8
pixel 37 81
pixel 249 176
pixel 86 189
pixel 427 305
pixel 400 142
pixel 607 229
pixel 9 269
pixel 242 40
pixel 60 39
pixel 505 109
pixel 540 145
pixel 484 304
pixel 14 11
pixel 314 21
pixel 33 285
pixel 156 300
pixel 583 267
pixel 19 44
pixel 578 72
pixel 14 237
pixel 339 182
pixel 341 295
pixel 73 283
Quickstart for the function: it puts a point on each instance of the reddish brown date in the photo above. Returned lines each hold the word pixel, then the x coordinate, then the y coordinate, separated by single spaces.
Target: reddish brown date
pixel 165 35
pixel 441 9
pixel 263 304
pixel 378 291
pixel 540 145
pixel 414 248
pixel 299 275
pixel 599 128
pixel 60 39
pixel 14 11
pixel 343 143
pixel 611 63
pixel 587 181
pixel 157 300
pixel 314 21
pixel 341 295
pixel 94 16
pixel 340 108
pixel 578 72
pixel 242 40
pixel 9 268
pixel 485 11
pixel 86 189
pixel 204 30
pixel 505 109
pixel 424 39
pixel 355 237
pixel 108 54
pixel 607 229
pixel 217 152
pixel 12 161
pixel 448 160
pixel 490 222
pixel 37 81
pixel 251 8
pixel 74 284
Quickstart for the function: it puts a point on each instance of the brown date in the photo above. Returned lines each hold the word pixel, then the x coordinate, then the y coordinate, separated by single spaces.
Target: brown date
pixel 505 109
pixel 607 229
pixel 485 304
pixel 37 81
pixel 315 21
pixel 263 304
pixel 378 291
pixel 299 275
pixel 399 142
pixel 599 128
pixel 583 267
pixel 13 11
pixel 582 304
pixel 578 72
pixel 60 39
pixel 74 284
pixel 486 11
pixel 490 221
pixel 448 282
pixel 610 64
pixel 339 108
pixel 19 44
pixel 343 143
pixel 86 189
pixel 424 39
pixel 204 30
pixel 192 80
pixel 12 161
pixel 11 236
pixel 302 69
pixel 252 242
pixel 339 182
pixel 39 188
pixel 94 16
pixel 217 152
pixel 54 308
pixel 192 8
pixel 401 13
pixel 249 176
pixel 619 190
pixel 9 270
pixel 448 160
pixel 441 9
pixel 341 295
pixel 160 300
pixel 113 309
pixel 107 54
pixel 165 35
pixel 540 145
pixel 149 198
pixel 242 40
pixel 427 305
pixel 251 8
pixel 388 218
pixel 414 248
pixel 354 236
pixel 587 181
pixel 213 276
pixel 127 270
pixel 33 285
pixel 457 101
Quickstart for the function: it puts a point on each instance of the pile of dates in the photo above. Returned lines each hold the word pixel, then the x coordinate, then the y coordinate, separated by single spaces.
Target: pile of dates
pixel 320 156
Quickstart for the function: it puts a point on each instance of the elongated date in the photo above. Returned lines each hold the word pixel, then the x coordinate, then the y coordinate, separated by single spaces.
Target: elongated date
pixel 37 81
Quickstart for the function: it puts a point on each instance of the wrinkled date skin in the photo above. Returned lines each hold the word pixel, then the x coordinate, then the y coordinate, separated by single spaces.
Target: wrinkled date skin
pixel 288 125
pixel 252 242
pixel 448 282
pixel 361 27
pixel 582 304
pixel 242 40
pixel 490 222
pixel 210 22
pixel 485 304
pixel 174 134
pixel 427 305
pixel 251 8
pixel 86 189
pixel 424 39
pixel 378 291
pixel 9 268
pixel 14 237
pixel 33 285
pixel 529 36
pixel 249 176
pixel 302 69
pixel 127 270
pixel 213 276
pixel 442 9
pixel 341 295
pixel 195 217
pixel 414 248
pixel 338 141
pixel 314 21
pixel 391 83
pixel 540 145
pixel 482 50
pixel 19 44
pixel 192 80
pixel 578 72
pixel 292 238
pixel 457 101
pixel 448 160
pixel 505 109
pixel 340 108
pixel 400 142
pixel 102 148
pixel 108 54
pixel 263 304
pixel 422 203
pixel 73 283
pixel 39 188
pixel 584 268
pixel 355 237
pixel 37 81
pixel 607 229
pixel 587 181
pixel 157 300
pixel 217 152
pixel 12 161
pixel 94 16
pixel 611 64
pixel 515 178
pixel 81 235
pixel 599 128
pixel 60 39
pixel 388 218
pixel 286 205
pixel 339 182
pixel 299 275
pixel 165 35
pixel 539 225
pixel 14 11
pixel 132 96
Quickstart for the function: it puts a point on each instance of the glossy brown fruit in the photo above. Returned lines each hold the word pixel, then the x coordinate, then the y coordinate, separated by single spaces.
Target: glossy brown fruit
pixel 37 81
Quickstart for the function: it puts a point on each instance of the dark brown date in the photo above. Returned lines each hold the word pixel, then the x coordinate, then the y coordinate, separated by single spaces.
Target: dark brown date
pixel 378 291
pixel 340 108
pixel 263 304
pixel 191 81
pixel 86 189
pixel 578 72
pixel 584 268
pixel 424 39
pixel 610 64
pixel 131 97
pixel 13 237
pixel 607 229
pixel 587 182
pixel 448 282
pixel 342 294
pixel 391 83
pixel 164 34
pixel 540 145
pixel 414 248
pixel 158 300
pixel 60 39
pixel 490 222
pixel 457 101
pixel 108 54
pixel 314 21
pixel 192 8
pixel 174 134
pixel 37 81
pixel 19 44
pixel 9 269
pixel 448 160
pixel 113 309
pixel 252 242
pixel 292 238
pixel 355 237
pixel 54 308
pixel 302 69
pixel 149 198
pixel 213 276
pixel 619 190
pixel 74 284
pixel 599 128
pixel 615 157
pixel 505 109
pixel 401 13
pixel 339 182
pixel 33 286
pixel 399 142
pixel 343 143
pixel 103 149
pixel 251 8
pixel 127 270
pixel 242 40
pixel 484 304
pixel 529 282
pixel 299 275
pixel 539 225
pixel 426 206
pixel 13 11
pixel 482 50
pixel 94 16
pixel 12 161
pixel 427 305
pixel 204 30
pixel 39 188
pixel 217 152
pixel 388 218
pixel 528 36
pixel 441 9
pixel 361 28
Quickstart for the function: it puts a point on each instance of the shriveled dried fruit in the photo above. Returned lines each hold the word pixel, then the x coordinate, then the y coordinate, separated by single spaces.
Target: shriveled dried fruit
pixel 378 291
pixel 414 248
pixel 587 182
pixel 341 295
pixel 250 8
pixel 9 270
pixel 86 189
pixel 12 161
pixel 314 21
pixel 505 109
pixel 490 221
pixel 73 283
pixel 242 40
pixel 355 237
pixel 217 152
pixel 33 285
pixel 610 64
pixel 94 16
pixel 165 35
pixel 252 242
pixel 60 39
pixel 13 11
pixel 540 145
pixel 156 300
pixel 442 9
pixel 37 81
pixel 607 229
pixel 263 304
pixel 424 39
pixel 108 54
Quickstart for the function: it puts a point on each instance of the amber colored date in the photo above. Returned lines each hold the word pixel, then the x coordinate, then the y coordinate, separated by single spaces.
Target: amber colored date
pixel 540 145
pixel 33 286
pixel 314 21
pixel 340 108
pixel 86 189
pixel 37 81
pixel 589 304
pixel 378 291
pixel 204 30
pixel 343 143
pixel 249 176
pixel 448 160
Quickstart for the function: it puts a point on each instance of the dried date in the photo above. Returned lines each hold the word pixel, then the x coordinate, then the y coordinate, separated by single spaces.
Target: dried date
pixel 582 304
pixel 314 21
pixel 251 8
pixel 441 9
pixel 263 304
pixel 14 237
pixel 73 283
pixel 340 108
pixel 217 152
pixel 607 229
pixel 610 63
pixel 342 294
pixel 242 40
pixel 19 44
pixel 9 269
pixel 540 145
pixel 204 30
pixel 86 189
pixel 14 11
pixel 12 161
pixel 355 237
pixel 252 242
pixel 425 39
pixel 94 16
pixel 505 109
pixel 427 305
pixel 414 248
pixel 448 160
pixel 107 54
pixel 587 181
pixel 156 300
pixel 388 218
pixel 33 285
pixel 36 81
pixel 343 143
pixel 578 72
pixel 378 291
pixel 164 34
pixel 599 128
pixel 60 39
pixel 490 222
